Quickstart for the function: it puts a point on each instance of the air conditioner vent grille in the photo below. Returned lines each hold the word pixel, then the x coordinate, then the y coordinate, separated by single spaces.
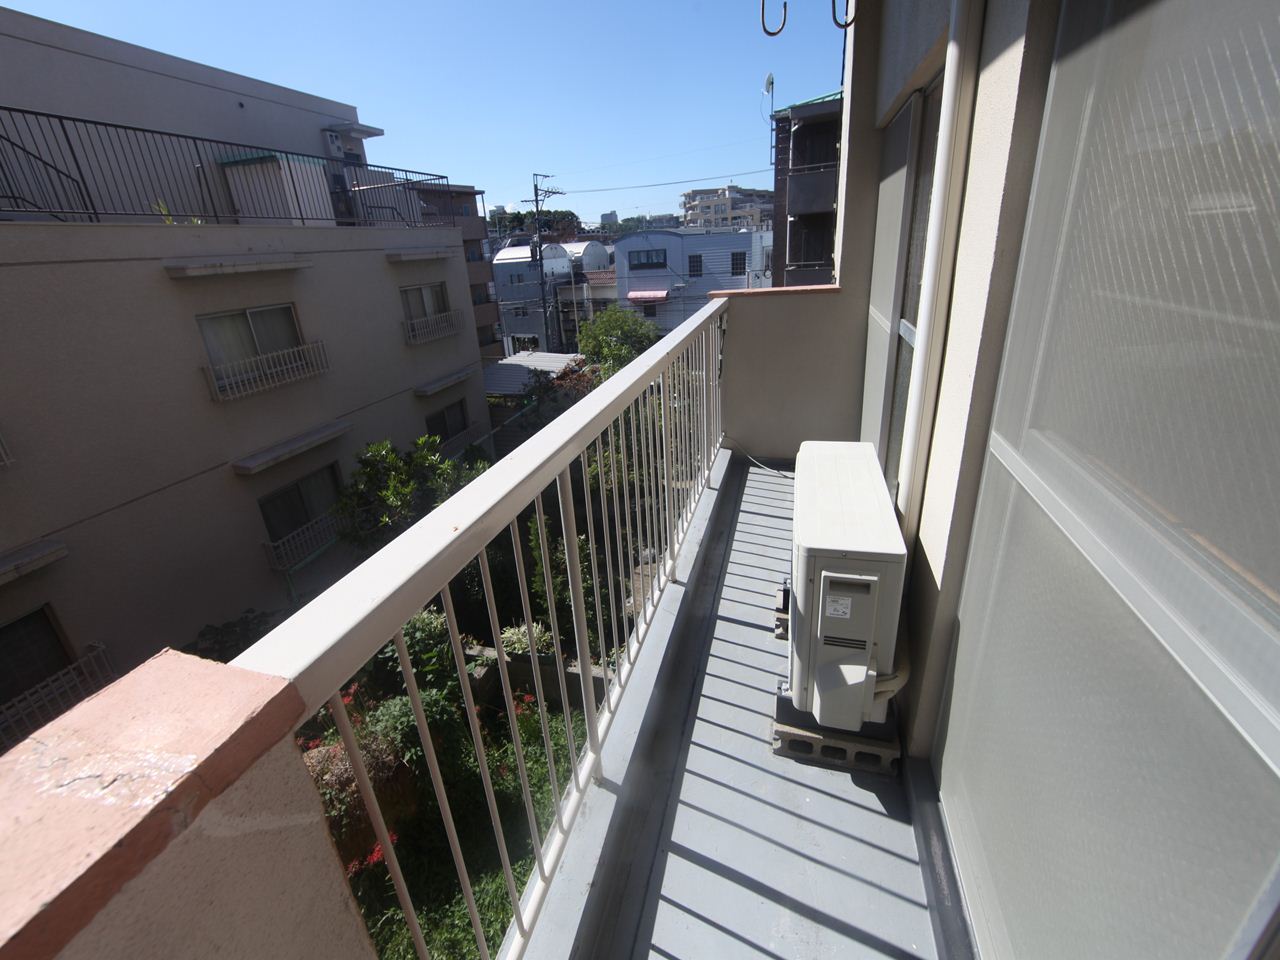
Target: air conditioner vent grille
pixel 842 642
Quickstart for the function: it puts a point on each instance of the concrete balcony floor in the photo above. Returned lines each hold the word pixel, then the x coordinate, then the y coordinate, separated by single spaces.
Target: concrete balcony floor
pixel 715 847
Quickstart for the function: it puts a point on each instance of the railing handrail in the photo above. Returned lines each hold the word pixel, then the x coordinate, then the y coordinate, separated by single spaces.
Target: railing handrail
pixel 438 180
pixel 326 642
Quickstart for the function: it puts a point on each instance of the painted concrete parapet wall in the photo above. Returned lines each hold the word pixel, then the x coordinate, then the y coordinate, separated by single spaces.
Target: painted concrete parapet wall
pixel 792 359
pixel 167 814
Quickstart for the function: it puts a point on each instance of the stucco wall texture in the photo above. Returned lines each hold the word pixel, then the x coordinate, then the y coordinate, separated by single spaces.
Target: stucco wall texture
pixel 255 875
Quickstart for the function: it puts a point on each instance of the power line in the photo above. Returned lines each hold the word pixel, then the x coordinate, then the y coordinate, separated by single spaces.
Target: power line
pixel 672 183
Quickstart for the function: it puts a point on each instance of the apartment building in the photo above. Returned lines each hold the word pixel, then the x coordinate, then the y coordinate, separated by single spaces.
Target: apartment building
pixel 728 206
pixel 806 154
pixel 524 287
pixel 467 207
pixel 666 275
pixel 212 301
pixel 1054 321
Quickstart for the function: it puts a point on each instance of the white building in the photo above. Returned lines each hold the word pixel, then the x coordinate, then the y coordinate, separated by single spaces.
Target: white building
pixel 666 275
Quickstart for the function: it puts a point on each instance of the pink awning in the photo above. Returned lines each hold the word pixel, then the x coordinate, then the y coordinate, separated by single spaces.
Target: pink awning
pixel 647 296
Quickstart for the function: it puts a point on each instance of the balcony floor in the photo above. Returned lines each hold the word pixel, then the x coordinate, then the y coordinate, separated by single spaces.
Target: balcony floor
pixel 719 848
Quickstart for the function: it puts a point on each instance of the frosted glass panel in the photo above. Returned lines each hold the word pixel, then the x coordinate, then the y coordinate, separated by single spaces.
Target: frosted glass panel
pixel 1101 805
pixel 1145 344
pixel 1109 768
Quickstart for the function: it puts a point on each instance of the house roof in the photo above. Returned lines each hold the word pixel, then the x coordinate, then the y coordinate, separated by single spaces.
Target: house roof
pixel 512 376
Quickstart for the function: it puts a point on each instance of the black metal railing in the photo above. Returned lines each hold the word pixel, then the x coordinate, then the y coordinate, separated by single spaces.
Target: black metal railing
pixel 85 171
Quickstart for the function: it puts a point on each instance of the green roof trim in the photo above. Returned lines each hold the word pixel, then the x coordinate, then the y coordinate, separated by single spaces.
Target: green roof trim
pixel 804 103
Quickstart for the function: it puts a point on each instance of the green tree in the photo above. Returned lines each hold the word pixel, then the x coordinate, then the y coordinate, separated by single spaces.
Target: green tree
pixel 615 337
pixel 390 489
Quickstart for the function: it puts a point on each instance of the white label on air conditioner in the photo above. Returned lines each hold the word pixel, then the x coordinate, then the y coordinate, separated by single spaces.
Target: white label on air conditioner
pixel 838 606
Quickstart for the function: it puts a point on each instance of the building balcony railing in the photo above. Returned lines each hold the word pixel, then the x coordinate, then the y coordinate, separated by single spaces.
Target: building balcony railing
pixel 53 696
pixel 310 539
pixel 266 371
pixel 66 169
pixel 623 470
pixel 434 326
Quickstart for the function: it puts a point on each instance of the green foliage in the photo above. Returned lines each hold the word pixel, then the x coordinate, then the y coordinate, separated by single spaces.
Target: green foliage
pixel 226 641
pixel 515 639
pixel 615 337
pixel 390 489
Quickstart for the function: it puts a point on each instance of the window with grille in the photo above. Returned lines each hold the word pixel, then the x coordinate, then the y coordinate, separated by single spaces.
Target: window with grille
pixel 244 334
pixel 695 264
pixel 30 651
pixel 448 422
pixel 306 499
pixel 424 301
pixel 738 263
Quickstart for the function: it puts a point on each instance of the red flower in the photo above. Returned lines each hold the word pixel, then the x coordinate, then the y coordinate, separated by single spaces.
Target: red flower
pixel 375 856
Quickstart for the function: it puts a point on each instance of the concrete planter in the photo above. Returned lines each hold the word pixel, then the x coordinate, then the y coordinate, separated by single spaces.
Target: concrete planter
pixel 486 682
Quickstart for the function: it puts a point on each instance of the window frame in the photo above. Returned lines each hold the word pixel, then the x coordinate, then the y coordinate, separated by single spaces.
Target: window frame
pixel 247 313
pixel 648 258
pixel 445 436
pixel 64 645
pixel 695 265
pixel 737 263
pixel 335 469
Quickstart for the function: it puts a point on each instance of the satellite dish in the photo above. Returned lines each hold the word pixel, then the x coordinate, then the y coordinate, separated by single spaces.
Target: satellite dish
pixel 768 84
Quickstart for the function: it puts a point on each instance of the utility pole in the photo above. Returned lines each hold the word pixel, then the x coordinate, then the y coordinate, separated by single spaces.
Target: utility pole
pixel 541 193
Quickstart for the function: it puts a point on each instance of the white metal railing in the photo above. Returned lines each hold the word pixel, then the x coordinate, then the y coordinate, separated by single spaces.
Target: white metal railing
pixel 627 464
pixel 431 327
pixel 302 544
pixel 53 696
pixel 266 371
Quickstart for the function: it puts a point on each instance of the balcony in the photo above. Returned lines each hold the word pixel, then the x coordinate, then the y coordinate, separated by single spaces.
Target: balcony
pixel 304 544
pixel 71 170
pixel 811 189
pixel 667 550
pixel 53 696
pixel 266 371
pixel 434 326
pixel 808 273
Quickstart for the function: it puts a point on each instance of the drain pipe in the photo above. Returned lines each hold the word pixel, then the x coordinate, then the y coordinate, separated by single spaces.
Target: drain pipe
pixel 959 82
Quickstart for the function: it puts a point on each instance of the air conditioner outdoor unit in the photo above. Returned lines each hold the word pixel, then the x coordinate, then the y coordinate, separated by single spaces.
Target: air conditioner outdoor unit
pixel 847 566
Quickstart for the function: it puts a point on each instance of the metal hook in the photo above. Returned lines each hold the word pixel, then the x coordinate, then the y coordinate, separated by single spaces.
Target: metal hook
pixel 838 22
pixel 773 33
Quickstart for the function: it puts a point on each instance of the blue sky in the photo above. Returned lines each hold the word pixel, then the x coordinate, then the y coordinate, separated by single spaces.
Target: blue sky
pixel 602 94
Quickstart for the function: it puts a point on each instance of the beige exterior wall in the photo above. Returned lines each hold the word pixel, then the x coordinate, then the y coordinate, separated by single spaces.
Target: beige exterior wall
pixel 119 450
pixel 53 68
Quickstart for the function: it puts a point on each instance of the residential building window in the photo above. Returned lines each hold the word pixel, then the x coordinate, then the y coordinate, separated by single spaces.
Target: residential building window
pixel 448 422
pixel 695 265
pixel 244 334
pixel 473 250
pixel 647 259
pixel 520 310
pixel 304 501
pixel 479 294
pixel 424 301
pixel 650 311
pixel 738 263
pixel 30 651
pixel 721 208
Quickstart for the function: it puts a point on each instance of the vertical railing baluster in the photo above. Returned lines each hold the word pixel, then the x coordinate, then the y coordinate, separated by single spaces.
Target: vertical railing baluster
pixel 564 487
pixel 608 554
pixel 555 638
pixel 667 456
pixel 536 664
pixel 595 574
pixel 641 462
pixel 512 717
pixel 338 710
pixel 477 741
pixel 442 797
pixel 629 567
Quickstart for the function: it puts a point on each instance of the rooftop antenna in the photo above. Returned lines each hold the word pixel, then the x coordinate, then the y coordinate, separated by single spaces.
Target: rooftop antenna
pixel 768 88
